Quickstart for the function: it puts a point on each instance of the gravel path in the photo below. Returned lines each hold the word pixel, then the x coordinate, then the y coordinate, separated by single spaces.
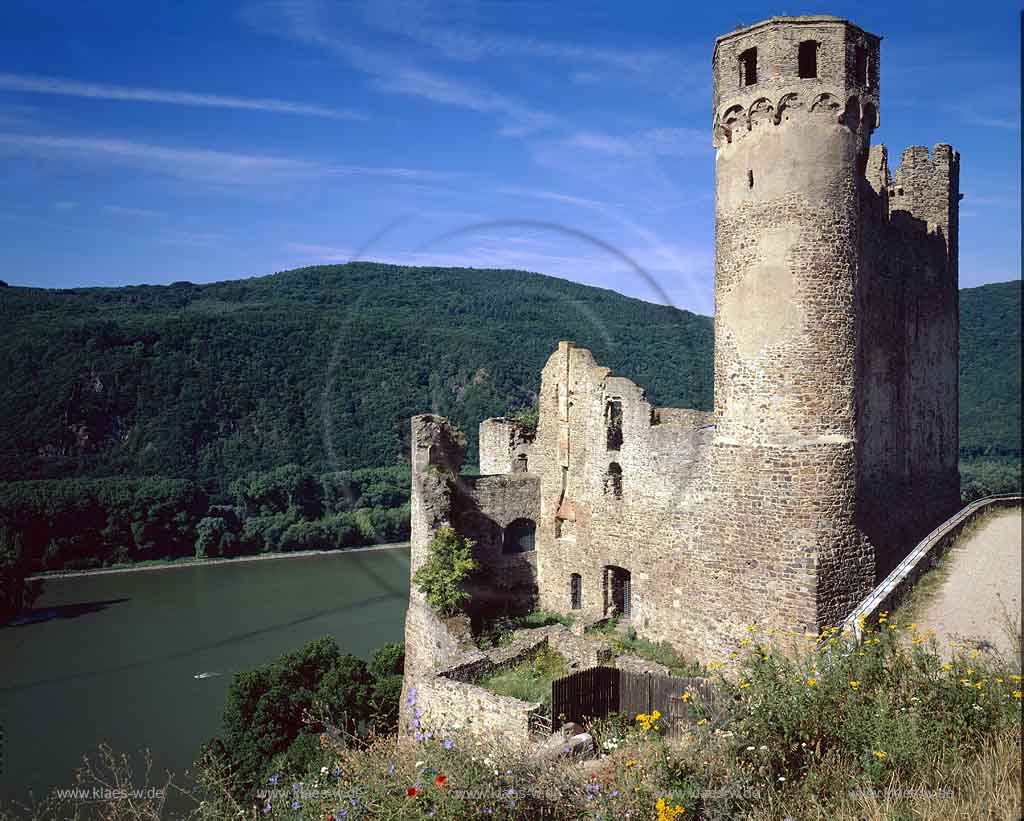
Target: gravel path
pixel 984 575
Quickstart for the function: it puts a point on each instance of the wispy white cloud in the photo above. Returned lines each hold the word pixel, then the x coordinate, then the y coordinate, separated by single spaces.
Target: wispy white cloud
pixel 671 142
pixel 303 21
pixel 101 91
pixel 125 211
pixel 441 27
pixel 201 163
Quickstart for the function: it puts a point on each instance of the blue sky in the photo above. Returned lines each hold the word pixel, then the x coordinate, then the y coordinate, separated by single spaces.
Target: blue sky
pixel 154 142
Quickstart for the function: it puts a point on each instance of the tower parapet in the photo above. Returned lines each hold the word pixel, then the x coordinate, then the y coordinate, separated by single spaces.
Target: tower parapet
pixel 774 70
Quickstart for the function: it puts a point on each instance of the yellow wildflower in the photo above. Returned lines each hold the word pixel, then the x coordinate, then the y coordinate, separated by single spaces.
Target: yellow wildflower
pixel 881 755
pixel 970 671
pixel 1016 694
pixel 631 763
pixel 702 722
pixel 812 682
pixel 1015 678
pixel 947 667
pixel 668 812
pixel 744 685
pixel 912 626
pixel 855 684
pixel 685 696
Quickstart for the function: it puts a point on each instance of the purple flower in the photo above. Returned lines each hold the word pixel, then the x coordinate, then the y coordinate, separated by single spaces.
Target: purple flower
pixel 267 808
pixel 295 804
pixel 336 772
pixel 391 768
pixel 510 791
pixel 411 698
pixel 418 736
pixel 448 743
pixel 428 734
pixel 419 712
pixel 416 723
pixel 274 779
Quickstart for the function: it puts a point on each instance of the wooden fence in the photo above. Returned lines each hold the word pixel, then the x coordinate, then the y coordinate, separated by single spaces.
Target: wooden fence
pixel 599 691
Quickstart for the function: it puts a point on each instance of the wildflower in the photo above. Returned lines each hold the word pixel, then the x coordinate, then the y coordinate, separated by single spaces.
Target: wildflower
pixel 749 749
pixel 412 792
pixel 323 771
pixel 685 696
pixel 970 671
pixel 980 684
pixel 440 780
pixel 411 698
pixel 336 772
pixel 1015 678
pixel 912 626
pixel 448 743
pixel 744 685
pixel 855 684
pixel 418 764
pixel 267 808
pixel 947 667
pixel 296 804
pixel 274 779
pixel 782 778
pixel 631 763
pixel 702 722
pixel 881 755
pixel 812 682
pixel 668 812
pixel 1016 694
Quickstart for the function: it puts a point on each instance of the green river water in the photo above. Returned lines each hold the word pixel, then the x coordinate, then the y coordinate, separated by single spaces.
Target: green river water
pixel 116 659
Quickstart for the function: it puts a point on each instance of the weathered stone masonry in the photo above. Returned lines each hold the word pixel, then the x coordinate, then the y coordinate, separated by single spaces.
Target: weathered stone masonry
pixel 833 444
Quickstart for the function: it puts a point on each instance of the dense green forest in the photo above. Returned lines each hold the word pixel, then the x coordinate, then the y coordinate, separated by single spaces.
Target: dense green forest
pixel 279 406
pixel 320 367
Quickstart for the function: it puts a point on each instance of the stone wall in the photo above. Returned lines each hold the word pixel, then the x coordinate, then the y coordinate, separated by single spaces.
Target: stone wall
pixel 833 445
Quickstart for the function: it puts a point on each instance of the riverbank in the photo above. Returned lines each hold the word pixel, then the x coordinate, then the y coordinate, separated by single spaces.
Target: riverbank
pixel 171 564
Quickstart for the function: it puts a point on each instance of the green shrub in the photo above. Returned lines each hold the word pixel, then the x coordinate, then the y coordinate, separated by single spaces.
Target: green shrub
pixel 449 564
pixel 531 680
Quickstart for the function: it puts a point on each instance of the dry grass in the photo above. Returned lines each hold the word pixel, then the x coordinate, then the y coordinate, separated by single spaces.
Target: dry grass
pixel 985 786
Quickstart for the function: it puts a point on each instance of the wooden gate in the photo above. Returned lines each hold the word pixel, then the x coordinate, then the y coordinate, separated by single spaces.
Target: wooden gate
pixel 588 694
pixel 599 691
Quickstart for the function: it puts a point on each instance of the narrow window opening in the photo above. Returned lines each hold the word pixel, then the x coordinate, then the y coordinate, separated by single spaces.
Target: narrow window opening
pixel 613 420
pixel 748 67
pixel 519 537
pixel 860 66
pixel 576 591
pixel 613 480
pixel 519 466
pixel 808 59
pixel 750 179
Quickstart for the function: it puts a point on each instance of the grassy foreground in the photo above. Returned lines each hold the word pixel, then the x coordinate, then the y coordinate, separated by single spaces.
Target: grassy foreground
pixel 886 730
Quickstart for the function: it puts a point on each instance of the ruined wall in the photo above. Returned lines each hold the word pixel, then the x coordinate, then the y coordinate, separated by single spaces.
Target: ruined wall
pixel 486 509
pixel 504 446
pixel 908 416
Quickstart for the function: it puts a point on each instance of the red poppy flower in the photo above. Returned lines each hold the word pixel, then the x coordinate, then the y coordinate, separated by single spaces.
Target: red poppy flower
pixel 411 792
pixel 440 780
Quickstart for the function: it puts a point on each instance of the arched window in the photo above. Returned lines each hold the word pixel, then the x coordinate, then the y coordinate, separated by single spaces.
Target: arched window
pixel 519 536
pixel 519 465
pixel 576 591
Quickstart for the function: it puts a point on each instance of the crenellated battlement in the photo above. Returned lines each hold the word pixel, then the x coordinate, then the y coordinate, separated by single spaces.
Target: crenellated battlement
pixel 926 187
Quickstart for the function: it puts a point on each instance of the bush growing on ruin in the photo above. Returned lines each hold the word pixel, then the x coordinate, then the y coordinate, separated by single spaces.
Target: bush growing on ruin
pixel 442 577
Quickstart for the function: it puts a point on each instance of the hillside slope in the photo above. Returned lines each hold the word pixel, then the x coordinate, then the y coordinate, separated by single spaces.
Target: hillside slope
pixel 323 366
pixel 318 366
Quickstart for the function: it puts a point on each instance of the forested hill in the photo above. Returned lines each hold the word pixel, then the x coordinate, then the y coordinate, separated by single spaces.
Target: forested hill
pixel 320 367
pixel 990 374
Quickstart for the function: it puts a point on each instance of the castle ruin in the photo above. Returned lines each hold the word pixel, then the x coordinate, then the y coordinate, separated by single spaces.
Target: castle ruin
pixel 833 444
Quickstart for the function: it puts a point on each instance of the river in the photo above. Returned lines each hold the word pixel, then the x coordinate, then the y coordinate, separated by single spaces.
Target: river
pixel 117 660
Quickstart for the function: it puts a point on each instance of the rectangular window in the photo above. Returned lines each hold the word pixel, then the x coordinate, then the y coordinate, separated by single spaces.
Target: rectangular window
pixel 860 66
pixel 808 59
pixel 748 67
pixel 613 420
pixel 576 591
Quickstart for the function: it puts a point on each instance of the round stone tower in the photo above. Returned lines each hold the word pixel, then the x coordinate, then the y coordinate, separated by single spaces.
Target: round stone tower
pixel 795 102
